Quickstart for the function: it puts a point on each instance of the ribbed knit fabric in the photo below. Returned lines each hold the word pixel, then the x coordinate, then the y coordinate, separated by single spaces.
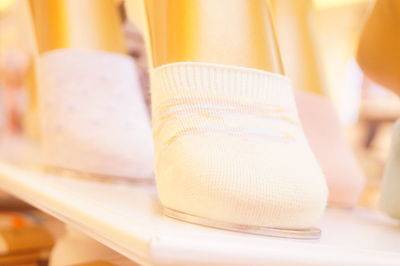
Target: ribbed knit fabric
pixel 230 148
pixel 93 116
pixel 390 195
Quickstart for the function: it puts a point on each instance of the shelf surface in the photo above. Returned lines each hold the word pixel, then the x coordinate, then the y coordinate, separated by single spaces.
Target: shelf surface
pixel 128 219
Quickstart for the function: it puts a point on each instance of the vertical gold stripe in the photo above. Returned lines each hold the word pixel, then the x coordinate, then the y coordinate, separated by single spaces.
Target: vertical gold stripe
pixel 299 52
pixel 88 24
pixel 231 32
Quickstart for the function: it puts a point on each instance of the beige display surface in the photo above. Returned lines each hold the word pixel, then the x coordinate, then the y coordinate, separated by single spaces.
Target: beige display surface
pixel 128 219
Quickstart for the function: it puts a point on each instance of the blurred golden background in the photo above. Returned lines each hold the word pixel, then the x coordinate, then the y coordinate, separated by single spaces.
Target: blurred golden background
pixel 323 34
pixel 317 40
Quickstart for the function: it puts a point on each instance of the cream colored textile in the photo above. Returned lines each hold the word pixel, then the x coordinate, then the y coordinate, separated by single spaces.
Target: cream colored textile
pixel 390 196
pixel 93 114
pixel 230 147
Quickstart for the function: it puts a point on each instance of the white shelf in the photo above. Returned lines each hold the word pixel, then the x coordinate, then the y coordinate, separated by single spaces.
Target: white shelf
pixel 128 219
